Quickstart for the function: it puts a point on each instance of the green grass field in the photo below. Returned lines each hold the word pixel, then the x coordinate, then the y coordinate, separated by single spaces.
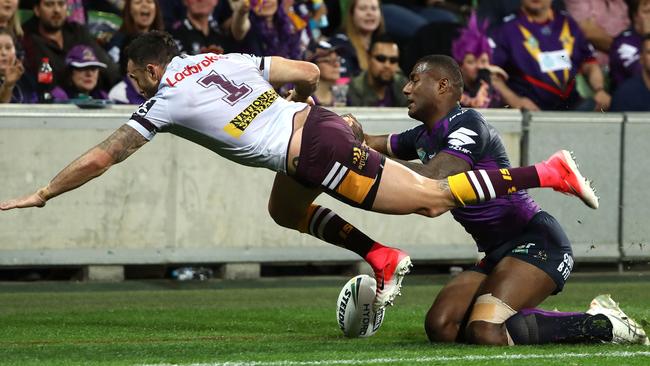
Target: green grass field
pixel 288 321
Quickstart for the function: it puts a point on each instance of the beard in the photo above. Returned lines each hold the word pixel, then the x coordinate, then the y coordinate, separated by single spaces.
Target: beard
pixel 52 26
pixel 383 81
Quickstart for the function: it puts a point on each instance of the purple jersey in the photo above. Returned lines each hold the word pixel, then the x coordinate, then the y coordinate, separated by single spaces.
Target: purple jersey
pixel 542 59
pixel 624 56
pixel 465 133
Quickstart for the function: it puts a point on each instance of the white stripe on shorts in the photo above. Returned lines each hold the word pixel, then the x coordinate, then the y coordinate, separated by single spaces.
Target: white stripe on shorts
pixel 332 172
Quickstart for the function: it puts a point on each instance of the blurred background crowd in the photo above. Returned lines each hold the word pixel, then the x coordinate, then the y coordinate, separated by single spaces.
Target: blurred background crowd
pixel 587 55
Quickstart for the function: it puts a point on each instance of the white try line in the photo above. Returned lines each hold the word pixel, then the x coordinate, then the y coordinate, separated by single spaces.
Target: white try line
pixel 514 356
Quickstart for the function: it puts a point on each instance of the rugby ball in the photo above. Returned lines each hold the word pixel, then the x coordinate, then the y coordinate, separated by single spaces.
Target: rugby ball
pixel 354 308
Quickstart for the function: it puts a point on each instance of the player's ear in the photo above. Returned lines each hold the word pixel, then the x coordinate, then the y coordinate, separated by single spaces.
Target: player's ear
pixel 152 71
pixel 443 85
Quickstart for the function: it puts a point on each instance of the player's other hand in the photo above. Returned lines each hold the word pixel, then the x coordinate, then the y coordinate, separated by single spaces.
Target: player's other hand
pixel 294 97
pixel 31 200
pixel 355 125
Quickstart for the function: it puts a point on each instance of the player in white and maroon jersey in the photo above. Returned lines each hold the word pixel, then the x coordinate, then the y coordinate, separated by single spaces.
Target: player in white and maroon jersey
pixel 227 103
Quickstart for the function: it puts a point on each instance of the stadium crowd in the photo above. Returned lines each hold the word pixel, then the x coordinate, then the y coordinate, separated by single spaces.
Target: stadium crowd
pixel 530 54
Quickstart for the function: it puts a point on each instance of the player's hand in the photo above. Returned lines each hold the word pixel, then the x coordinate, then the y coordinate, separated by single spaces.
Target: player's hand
pixel 603 100
pixel 294 97
pixel 31 200
pixel 354 123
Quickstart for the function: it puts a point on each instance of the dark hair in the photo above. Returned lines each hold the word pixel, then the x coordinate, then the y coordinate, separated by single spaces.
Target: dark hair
pixel 380 38
pixel 445 67
pixel 128 23
pixel 155 47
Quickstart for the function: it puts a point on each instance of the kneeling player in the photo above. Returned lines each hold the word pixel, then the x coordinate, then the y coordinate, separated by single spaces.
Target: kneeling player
pixel 528 255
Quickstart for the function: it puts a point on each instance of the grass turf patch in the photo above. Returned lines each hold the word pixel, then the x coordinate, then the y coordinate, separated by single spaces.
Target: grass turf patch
pixel 286 321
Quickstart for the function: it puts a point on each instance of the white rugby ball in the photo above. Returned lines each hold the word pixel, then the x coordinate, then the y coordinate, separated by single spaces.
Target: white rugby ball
pixel 354 308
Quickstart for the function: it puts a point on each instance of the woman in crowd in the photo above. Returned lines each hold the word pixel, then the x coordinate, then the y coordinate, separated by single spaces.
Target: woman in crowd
pixel 138 16
pixel 82 77
pixel 363 20
pixel 325 56
pixel 16 86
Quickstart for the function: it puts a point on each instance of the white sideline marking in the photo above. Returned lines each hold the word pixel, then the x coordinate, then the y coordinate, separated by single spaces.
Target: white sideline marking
pixel 417 359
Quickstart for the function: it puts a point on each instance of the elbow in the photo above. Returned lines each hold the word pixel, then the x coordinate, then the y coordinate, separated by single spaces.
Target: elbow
pixel 100 161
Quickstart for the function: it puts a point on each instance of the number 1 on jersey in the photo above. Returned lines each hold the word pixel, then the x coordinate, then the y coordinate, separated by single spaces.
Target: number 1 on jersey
pixel 234 93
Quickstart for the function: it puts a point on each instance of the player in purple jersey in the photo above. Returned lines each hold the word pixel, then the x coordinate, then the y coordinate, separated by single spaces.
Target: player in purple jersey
pixel 228 104
pixel 542 51
pixel 528 256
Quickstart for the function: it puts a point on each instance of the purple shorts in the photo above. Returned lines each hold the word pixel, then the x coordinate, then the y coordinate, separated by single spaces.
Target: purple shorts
pixel 333 159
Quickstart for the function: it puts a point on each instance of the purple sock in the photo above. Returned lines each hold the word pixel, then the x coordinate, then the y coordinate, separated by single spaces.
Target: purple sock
pixel 536 326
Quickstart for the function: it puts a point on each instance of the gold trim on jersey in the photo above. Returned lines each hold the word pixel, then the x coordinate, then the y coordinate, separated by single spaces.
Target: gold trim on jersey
pixel 238 125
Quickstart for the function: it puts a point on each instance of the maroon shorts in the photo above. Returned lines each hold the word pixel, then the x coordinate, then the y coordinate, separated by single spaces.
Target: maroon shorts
pixel 333 159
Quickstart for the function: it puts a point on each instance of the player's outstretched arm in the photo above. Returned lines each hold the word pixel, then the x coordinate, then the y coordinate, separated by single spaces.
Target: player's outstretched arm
pixel 117 147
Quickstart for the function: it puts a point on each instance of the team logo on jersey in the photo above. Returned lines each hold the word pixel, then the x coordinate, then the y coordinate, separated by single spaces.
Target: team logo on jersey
pixel 238 125
pixel 359 157
pixel 144 108
pixel 461 137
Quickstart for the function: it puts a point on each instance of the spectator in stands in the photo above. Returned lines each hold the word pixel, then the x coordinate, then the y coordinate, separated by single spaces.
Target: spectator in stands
pixel 381 85
pixel 600 21
pixel 362 22
pixel 199 32
pixel 15 85
pixel 325 56
pixel 472 51
pixel 138 16
pixel 263 28
pixel 624 53
pixel 48 34
pixel 634 93
pixel 543 50
pixel 9 18
pixel 82 76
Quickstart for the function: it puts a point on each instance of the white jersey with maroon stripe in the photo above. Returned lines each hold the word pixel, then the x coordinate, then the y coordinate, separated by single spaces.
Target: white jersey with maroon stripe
pixel 224 103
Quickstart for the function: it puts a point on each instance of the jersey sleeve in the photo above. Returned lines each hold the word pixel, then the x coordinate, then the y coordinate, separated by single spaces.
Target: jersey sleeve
pixel 150 117
pixel 262 63
pixel 403 145
pixel 467 137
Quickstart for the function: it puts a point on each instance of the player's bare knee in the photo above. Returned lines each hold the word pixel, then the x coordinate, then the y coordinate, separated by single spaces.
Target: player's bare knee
pixel 440 328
